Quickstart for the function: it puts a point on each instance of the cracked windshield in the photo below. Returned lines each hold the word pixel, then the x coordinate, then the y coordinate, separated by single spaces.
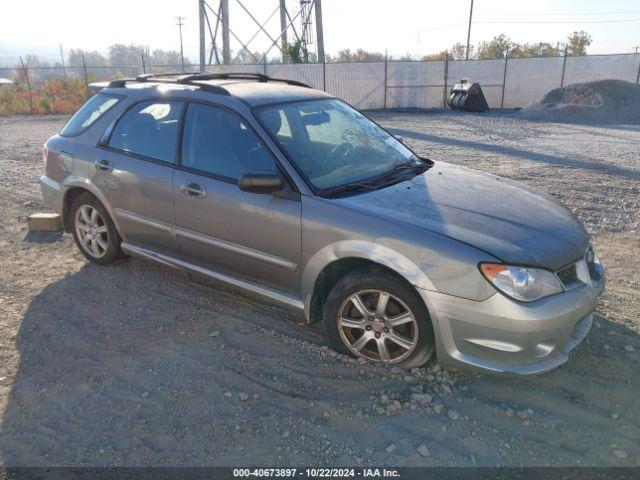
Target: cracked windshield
pixel 332 144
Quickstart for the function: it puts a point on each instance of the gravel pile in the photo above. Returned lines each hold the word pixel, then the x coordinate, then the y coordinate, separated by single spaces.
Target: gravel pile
pixel 603 102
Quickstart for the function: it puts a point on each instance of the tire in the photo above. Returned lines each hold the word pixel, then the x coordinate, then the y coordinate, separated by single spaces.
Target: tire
pixel 104 248
pixel 402 317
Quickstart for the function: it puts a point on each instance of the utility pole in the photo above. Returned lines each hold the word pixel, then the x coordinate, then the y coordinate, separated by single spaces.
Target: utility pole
pixel 469 32
pixel 180 24
pixel 319 32
pixel 64 70
pixel 201 15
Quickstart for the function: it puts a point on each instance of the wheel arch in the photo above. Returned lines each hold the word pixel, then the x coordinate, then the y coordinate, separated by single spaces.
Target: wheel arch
pixel 331 263
pixel 74 187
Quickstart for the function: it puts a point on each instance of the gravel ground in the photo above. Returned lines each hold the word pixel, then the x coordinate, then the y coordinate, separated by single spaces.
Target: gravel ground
pixel 138 364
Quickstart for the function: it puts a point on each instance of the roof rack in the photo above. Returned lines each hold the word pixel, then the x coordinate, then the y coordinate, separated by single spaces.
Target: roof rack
pixel 240 76
pixel 192 78
pixel 162 78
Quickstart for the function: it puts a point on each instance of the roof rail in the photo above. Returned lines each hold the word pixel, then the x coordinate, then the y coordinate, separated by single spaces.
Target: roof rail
pixel 240 76
pixel 161 78
pixel 192 78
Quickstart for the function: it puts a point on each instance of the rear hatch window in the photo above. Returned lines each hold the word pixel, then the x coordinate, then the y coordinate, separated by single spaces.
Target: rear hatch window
pixel 87 115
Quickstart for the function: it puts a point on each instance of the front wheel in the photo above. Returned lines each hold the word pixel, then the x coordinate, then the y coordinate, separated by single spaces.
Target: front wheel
pixel 372 314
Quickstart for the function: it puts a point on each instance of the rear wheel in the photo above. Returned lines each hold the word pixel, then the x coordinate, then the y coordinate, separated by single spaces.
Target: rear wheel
pixel 94 231
pixel 370 313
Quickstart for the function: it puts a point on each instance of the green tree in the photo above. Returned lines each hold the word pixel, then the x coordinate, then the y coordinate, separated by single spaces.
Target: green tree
pixel 434 56
pixel 577 43
pixel 527 50
pixel 292 52
pixel 95 61
pixel 121 55
pixel 407 57
pixel 496 47
pixel 164 58
pixel 459 51
pixel 359 56
pixel 93 58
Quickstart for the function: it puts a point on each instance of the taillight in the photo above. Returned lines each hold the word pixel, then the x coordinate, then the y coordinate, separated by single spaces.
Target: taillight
pixel 45 154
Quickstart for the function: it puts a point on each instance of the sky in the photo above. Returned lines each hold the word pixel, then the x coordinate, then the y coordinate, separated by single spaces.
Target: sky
pixel 399 26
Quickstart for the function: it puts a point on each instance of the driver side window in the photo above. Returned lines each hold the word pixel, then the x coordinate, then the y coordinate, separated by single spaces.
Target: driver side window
pixel 217 141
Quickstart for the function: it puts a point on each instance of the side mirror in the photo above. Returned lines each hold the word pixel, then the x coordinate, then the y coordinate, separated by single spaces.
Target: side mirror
pixel 261 182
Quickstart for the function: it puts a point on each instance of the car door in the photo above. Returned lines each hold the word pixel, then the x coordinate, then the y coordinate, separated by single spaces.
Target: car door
pixel 252 236
pixel 134 169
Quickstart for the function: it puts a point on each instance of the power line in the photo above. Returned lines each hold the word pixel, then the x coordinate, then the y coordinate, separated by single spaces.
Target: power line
pixel 506 22
pixel 444 27
pixel 563 14
pixel 564 22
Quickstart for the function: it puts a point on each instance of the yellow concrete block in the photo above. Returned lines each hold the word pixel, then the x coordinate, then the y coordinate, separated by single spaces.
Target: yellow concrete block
pixel 44 222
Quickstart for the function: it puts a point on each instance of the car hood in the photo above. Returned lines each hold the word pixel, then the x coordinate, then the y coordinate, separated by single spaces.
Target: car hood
pixel 514 222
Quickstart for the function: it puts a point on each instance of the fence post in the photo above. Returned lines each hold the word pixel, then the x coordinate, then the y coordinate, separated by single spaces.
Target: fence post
pixel 264 64
pixel 25 72
pixel 446 79
pixel 144 67
pixel 504 78
pixel 64 70
pixel 386 66
pixel 324 75
pixel 86 77
pixel 564 67
pixel 638 75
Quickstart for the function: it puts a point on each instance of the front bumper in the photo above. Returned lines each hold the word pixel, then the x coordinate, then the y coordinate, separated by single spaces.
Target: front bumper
pixel 503 335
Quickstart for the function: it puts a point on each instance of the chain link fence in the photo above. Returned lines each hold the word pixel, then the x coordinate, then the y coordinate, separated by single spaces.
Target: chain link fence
pixel 507 83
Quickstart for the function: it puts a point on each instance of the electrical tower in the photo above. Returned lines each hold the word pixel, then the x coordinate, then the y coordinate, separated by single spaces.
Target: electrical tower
pixel 301 26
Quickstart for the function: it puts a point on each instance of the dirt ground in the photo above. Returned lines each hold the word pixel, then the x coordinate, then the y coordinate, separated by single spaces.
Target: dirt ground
pixel 139 364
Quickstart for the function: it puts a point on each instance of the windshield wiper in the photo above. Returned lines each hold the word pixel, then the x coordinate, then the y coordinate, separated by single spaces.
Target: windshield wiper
pixel 398 168
pixel 348 187
pixel 375 183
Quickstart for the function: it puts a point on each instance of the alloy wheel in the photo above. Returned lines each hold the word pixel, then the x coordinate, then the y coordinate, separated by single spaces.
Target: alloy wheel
pixel 91 231
pixel 377 325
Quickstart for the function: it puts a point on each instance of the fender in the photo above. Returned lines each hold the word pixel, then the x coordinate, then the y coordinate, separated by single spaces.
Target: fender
pixel 360 249
pixel 77 181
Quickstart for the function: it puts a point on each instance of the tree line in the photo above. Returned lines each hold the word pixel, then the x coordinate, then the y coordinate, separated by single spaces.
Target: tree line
pixel 123 59
pixel 498 47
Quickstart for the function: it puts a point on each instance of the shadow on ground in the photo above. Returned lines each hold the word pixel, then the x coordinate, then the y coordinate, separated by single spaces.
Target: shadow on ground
pixel 140 365
pixel 505 150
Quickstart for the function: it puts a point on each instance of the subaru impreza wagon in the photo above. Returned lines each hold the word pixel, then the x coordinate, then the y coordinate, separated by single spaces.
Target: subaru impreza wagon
pixel 290 193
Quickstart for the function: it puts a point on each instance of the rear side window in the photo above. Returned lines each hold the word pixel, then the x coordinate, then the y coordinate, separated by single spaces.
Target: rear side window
pixel 91 111
pixel 149 129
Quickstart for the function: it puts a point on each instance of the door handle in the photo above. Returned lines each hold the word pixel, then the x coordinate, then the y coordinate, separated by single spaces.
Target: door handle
pixel 195 190
pixel 103 165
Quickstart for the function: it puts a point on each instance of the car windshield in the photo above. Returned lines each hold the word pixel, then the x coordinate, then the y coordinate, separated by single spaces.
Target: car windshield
pixel 333 144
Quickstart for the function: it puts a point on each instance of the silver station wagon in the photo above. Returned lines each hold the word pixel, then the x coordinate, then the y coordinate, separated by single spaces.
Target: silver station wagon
pixel 288 192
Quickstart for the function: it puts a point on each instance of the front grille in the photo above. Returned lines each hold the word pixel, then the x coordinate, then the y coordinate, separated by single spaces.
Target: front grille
pixel 568 276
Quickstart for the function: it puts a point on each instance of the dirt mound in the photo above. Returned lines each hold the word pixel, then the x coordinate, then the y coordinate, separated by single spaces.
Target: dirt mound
pixel 604 101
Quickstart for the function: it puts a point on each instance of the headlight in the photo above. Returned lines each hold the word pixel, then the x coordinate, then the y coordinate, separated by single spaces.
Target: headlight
pixel 521 283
